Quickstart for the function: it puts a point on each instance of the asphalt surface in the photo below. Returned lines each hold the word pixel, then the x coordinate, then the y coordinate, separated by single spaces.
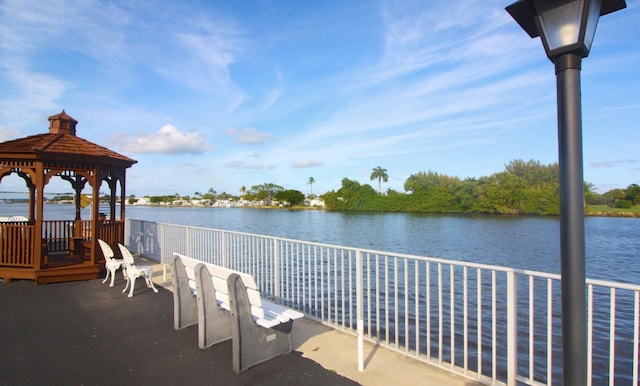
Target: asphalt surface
pixel 87 333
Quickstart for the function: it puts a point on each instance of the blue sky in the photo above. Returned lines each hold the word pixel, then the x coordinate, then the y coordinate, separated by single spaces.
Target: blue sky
pixel 225 94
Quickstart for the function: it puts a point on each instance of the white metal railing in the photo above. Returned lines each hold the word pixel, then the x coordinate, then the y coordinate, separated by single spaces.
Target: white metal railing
pixel 493 324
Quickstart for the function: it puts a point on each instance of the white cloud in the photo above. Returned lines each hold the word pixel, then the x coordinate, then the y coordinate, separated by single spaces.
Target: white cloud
pixel 249 136
pixel 7 134
pixel 613 164
pixel 306 163
pixel 28 95
pixel 237 164
pixel 167 140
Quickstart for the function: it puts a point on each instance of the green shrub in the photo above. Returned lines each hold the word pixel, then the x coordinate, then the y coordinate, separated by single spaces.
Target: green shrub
pixel 624 204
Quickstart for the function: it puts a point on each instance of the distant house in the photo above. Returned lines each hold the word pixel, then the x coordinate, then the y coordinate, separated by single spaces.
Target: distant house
pixel 315 202
pixel 142 201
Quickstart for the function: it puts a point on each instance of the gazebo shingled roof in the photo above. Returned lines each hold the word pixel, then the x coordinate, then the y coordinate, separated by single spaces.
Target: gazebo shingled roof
pixel 32 250
pixel 61 141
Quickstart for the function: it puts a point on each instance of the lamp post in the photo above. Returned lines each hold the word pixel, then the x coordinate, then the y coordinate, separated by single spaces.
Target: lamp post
pixel 567 28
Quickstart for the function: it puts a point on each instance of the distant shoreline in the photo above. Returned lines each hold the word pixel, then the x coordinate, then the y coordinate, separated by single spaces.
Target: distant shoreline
pixel 588 213
pixel 612 214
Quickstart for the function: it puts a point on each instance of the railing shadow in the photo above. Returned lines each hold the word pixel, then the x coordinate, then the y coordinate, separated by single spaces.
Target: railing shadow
pixel 372 353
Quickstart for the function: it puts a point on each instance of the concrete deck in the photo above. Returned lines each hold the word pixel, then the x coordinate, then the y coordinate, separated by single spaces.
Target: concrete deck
pixel 336 351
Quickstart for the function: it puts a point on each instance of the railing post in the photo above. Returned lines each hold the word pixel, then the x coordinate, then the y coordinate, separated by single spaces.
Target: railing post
pixel 512 325
pixel 163 257
pixel 276 270
pixel 224 252
pixel 359 310
pixel 188 237
pixel 127 231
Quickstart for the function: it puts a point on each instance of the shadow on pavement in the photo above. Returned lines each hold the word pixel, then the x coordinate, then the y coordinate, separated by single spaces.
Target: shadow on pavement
pixel 87 333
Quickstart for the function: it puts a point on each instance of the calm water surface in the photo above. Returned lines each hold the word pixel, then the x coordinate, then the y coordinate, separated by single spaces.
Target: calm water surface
pixel 612 244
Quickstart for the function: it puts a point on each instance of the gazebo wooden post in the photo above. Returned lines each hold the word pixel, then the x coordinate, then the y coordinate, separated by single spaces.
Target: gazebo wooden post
pixel 122 203
pixel 77 187
pixel 112 182
pixel 37 228
pixel 32 203
pixel 95 212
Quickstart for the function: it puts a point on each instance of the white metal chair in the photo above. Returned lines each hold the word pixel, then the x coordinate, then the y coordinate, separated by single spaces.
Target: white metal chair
pixel 111 264
pixel 135 271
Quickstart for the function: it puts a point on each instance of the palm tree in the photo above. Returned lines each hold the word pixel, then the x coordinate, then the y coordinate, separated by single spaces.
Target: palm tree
pixel 381 175
pixel 310 183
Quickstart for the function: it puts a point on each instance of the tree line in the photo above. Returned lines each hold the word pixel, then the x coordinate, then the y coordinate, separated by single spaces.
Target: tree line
pixel 524 187
pixel 267 193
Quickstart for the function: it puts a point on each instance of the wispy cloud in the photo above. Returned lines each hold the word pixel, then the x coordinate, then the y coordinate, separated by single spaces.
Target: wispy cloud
pixel 167 140
pixel 28 94
pixel 306 163
pixel 249 136
pixel 7 134
pixel 614 163
pixel 237 164
pixel 200 54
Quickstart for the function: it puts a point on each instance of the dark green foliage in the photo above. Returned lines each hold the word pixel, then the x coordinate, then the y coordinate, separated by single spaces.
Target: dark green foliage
pixel 624 204
pixel 523 188
pixel 160 199
pixel 291 197
pixel 61 198
pixel 353 196
pixel 614 196
pixel 633 194
pixel 265 192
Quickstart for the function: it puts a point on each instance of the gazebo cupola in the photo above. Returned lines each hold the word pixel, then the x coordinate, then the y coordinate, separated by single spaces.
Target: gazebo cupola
pixel 62 124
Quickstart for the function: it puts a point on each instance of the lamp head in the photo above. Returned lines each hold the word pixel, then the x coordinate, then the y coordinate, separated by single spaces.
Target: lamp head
pixel 565 26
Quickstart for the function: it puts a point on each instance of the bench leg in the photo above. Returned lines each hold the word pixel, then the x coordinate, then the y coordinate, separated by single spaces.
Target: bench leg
pixel 126 285
pixel 253 344
pixel 133 284
pixel 185 309
pixel 214 325
pixel 106 277
pixel 113 278
pixel 148 277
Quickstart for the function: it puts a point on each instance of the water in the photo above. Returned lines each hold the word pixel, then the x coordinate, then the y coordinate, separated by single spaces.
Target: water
pixel 612 244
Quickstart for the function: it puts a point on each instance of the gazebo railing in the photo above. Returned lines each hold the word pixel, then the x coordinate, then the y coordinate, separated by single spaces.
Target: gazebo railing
pixel 16 240
pixel 111 231
pixel 57 234
pixel 60 234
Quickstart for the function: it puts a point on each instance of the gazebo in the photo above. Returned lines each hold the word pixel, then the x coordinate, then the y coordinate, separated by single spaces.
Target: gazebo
pixel 57 250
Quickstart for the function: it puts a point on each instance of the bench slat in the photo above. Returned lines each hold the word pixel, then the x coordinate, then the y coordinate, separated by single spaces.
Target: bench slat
pixel 278 309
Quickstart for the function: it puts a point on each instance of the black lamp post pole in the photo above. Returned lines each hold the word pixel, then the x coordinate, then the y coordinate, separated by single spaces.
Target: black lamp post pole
pixel 572 255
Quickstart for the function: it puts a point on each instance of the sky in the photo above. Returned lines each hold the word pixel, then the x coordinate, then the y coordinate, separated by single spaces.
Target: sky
pixel 228 94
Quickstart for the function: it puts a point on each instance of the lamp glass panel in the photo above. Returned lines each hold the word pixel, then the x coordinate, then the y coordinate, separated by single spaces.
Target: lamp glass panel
pixel 560 21
pixel 592 21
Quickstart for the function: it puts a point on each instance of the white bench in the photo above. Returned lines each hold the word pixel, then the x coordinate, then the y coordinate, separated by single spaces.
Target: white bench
pixel 227 304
